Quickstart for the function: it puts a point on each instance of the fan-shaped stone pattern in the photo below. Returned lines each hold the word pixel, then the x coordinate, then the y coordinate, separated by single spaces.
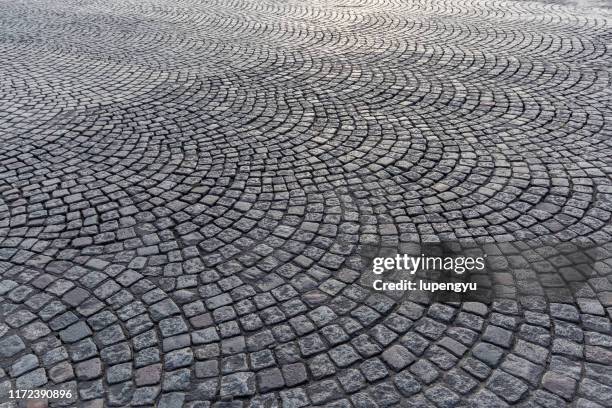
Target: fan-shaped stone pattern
pixel 187 189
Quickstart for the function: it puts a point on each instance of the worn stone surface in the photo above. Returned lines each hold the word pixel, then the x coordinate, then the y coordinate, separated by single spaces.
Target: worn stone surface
pixel 190 193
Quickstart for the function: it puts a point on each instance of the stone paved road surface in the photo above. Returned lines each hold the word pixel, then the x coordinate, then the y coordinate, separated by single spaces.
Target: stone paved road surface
pixel 187 187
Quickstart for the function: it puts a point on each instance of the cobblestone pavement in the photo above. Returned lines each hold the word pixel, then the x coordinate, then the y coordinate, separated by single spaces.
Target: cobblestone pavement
pixel 186 189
